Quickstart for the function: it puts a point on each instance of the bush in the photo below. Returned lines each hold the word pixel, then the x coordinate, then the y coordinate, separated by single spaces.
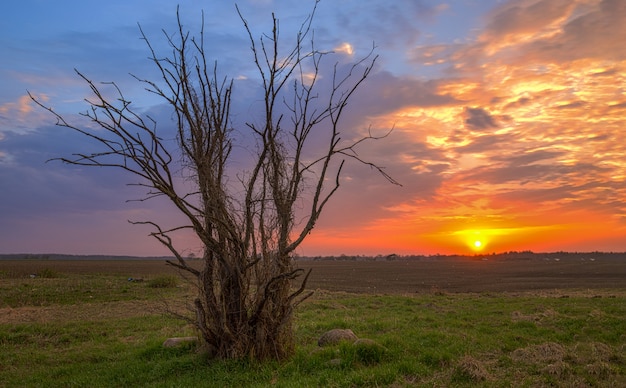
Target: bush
pixel 48 273
pixel 163 281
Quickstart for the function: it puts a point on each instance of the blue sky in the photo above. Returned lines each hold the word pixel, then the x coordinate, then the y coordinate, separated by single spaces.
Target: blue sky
pixel 508 120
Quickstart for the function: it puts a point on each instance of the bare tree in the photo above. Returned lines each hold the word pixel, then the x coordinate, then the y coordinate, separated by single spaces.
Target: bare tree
pixel 245 220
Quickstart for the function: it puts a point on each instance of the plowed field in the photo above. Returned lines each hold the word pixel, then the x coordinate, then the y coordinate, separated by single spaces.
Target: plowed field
pixel 397 276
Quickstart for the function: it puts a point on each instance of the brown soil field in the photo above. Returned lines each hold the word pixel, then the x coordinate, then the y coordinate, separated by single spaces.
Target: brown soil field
pixel 467 275
pixel 452 275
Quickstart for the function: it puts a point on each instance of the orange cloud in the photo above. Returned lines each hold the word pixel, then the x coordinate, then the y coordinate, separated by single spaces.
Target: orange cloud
pixel 21 113
pixel 345 48
pixel 530 143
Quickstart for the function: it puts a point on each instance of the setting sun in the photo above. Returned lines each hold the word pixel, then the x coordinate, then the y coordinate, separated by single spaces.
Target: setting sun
pixel 477 242
pixel 475 239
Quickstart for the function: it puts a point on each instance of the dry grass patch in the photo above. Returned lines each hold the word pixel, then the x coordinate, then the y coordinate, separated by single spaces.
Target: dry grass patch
pixel 584 353
pixel 517 316
pixel 548 352
pixel 567 363
pixel 470 369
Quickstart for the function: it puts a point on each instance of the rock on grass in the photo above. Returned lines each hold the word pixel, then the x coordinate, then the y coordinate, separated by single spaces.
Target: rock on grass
pixel 335 336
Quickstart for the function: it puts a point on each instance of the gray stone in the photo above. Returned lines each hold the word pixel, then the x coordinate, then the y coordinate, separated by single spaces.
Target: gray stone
pixel 335 336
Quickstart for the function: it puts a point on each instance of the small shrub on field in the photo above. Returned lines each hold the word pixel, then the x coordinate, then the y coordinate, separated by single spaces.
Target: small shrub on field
pixel 48 273
pixel 163 281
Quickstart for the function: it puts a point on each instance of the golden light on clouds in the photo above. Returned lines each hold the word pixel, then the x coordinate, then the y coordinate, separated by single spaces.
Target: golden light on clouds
pixel 533 142
pixel 345 48
pixel 21 113
pixel 22 106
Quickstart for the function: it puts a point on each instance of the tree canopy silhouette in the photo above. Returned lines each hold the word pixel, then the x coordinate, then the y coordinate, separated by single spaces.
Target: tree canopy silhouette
pixel 247 284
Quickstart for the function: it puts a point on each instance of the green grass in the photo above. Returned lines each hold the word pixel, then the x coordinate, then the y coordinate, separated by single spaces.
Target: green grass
pixel 163 281
pixel 77 289
pixel 489 340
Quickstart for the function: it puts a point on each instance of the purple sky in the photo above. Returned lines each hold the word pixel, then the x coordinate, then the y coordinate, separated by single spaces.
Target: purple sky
pixel 509 121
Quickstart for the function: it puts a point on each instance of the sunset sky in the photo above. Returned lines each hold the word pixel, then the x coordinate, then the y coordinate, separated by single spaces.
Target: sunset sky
pixel 509 121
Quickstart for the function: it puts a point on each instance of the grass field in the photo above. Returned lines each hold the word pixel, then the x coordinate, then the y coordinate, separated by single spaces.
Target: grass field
pixel 84 324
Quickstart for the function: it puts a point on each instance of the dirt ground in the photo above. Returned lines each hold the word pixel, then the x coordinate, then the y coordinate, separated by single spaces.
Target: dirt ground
pixel 432 274
pixel 468 275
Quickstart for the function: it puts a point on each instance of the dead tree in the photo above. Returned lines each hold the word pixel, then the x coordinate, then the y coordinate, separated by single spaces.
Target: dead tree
pixel 245 220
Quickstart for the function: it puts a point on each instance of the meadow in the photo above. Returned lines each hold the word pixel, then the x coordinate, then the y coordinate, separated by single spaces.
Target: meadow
pixel 438 323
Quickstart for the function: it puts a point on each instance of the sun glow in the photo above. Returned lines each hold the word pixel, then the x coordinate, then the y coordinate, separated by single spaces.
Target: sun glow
pixel 477 243
pixel 475 239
